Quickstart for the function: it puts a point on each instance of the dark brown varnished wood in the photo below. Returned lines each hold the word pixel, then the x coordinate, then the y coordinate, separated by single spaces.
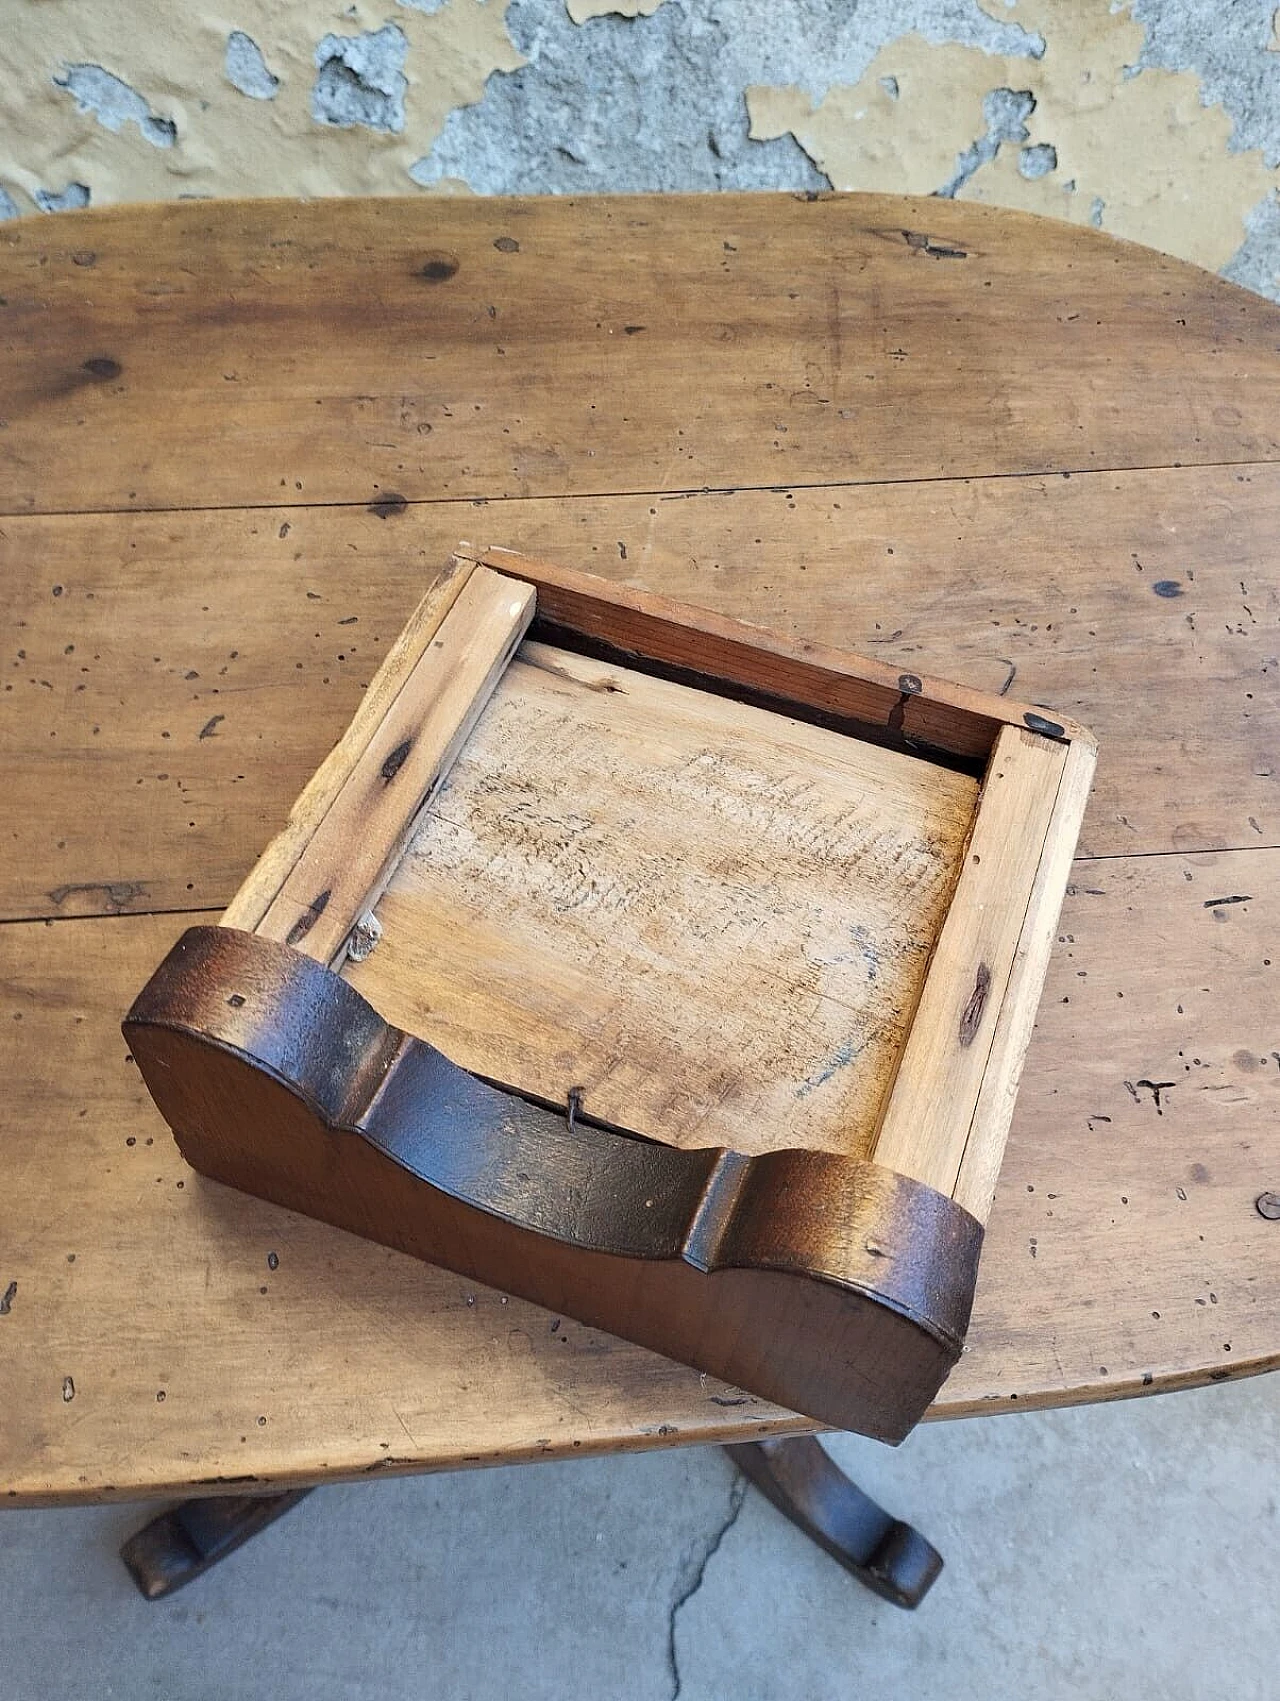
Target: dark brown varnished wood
pixel 828 1284
pixel 807 1486
pixel 812 681
pixel 183 1543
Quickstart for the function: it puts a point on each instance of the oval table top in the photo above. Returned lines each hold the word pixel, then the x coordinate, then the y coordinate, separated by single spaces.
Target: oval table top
pixel 236 441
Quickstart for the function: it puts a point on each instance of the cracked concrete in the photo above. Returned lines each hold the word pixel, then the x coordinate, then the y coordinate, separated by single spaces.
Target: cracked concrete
pixel 1123 1550
pixel 693 1575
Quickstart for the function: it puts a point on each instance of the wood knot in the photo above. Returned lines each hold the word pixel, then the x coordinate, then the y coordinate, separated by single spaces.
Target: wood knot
pixel 971 1015
pixel 395 761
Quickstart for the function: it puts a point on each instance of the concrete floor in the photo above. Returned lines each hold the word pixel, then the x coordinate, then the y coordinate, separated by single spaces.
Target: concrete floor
pixel 1125 1550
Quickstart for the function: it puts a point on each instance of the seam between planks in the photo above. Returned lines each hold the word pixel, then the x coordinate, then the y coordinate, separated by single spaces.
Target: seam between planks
pixel 666 493
pixel 49 920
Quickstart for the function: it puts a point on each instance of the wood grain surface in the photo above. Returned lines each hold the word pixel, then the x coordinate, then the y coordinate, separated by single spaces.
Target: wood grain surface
pixel 171 678
pixel 343 867
pixel 713 920
pixel 366 350
pixel 925 1127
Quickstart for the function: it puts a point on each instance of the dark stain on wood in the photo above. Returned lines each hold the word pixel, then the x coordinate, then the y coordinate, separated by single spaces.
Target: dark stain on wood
pixel 389 505
pixel 210 726
pixel 309 917
pixel 6 1303
pixel 971 1015
pixel 439 268
pixel 103 368
pixel 909 685
pixel 393 764
pixel 599 685
pixel 117 894
pixel 506 244
pixel 920 243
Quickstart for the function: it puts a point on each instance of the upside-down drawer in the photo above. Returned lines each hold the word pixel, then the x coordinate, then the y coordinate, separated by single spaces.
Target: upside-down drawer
pixel 658 969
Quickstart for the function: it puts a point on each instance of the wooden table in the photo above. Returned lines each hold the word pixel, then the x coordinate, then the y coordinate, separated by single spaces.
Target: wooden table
pixel 238 439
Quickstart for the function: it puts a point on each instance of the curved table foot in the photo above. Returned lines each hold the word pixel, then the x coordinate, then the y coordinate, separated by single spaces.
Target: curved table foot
pixel 795 1473
pixel 804 1483
pixel 180 1544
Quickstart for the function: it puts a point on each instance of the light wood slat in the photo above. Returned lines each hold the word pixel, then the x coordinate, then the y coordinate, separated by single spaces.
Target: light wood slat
pixel 925 1126
pixel 249 905
pixel 1110 1209
pixel 186 624
pixel 354 350
pixel 343 867
pixel 936 715
pixel 979 1172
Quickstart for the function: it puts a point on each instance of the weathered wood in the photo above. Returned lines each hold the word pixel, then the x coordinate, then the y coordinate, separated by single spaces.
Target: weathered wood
pixel 832 1284
pixel 269 873
pixel 1125 1252
pixel 164 1294
pixel 150 633
pixel 713 920
pixel 837 1286
pixel 1139 601
pixel 361 350
pixel 341 869
pixel 975 1184
pixel 930 1117
pixel 876 701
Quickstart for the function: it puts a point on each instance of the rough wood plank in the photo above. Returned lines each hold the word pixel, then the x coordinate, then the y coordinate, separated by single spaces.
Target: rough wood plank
pixel 1111 1208
pixel 927 1119
pixel 984 1147
pixel 277 862
pixel 1137 603
pixel 937 715
pixel 712 919
pixel 356 350
pixel 342 868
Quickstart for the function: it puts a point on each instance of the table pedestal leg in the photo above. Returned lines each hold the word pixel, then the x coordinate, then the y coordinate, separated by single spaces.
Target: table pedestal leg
pixel 804 1482
pixel 180 1544
pixel 796 1474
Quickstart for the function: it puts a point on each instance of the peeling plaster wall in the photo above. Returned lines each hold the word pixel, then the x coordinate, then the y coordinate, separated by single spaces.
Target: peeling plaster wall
pixel 1134 151
pixel 1158 120
pixel 278 97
